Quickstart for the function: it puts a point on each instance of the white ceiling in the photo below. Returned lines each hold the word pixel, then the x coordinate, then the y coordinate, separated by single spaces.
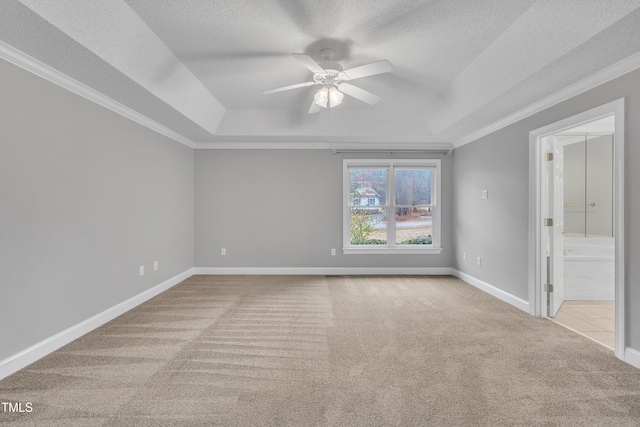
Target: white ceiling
pixel 197 67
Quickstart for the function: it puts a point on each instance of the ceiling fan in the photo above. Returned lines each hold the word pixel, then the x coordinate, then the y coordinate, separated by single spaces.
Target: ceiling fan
pixel 333 79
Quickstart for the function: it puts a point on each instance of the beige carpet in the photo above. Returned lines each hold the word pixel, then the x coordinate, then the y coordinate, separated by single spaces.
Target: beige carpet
pixel 336 351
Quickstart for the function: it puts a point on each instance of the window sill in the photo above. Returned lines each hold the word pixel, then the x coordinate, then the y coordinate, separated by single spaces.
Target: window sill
pixel 409 250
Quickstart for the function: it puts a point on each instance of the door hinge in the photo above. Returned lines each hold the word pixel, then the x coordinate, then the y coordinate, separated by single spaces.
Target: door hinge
pixel 548 287
pixel 548 222
pixel 548 156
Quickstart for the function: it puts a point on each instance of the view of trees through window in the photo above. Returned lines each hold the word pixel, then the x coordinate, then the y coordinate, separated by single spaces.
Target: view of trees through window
pixel 410 198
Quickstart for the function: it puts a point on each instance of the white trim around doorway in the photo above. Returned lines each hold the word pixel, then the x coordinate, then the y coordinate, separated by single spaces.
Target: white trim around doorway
pixel 536 249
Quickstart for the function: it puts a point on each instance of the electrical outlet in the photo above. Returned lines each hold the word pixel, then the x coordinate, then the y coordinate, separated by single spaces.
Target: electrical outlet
pixel 485 194
pixel 478 261
pixel 223 251
pixel 333 251
pixel 464 255
pixel 155 265
pixel 142 270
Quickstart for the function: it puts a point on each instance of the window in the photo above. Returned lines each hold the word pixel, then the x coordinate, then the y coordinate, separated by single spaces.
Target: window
pixel 391 206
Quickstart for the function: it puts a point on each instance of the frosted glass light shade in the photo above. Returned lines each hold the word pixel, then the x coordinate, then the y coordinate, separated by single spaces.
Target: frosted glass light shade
pixel 321 97
pixel 335 97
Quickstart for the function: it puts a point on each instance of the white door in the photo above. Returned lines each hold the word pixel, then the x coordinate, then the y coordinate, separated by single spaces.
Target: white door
pixel 553 198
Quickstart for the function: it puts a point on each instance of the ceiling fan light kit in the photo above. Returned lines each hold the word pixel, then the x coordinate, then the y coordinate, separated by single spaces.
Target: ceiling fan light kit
pixel 328 97
pixel 331 76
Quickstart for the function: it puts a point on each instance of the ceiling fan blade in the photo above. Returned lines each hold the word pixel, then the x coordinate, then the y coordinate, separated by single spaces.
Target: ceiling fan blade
pixel 308 62
pixel 378 67
pixel 280 89
pixel 315 108
pixel 356 92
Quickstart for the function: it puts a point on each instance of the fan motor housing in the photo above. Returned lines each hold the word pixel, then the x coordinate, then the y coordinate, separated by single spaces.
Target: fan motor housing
pixel 330 75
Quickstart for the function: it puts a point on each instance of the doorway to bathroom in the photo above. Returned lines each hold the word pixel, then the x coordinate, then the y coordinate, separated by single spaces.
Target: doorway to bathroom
pixel 588 243
pixel 577 224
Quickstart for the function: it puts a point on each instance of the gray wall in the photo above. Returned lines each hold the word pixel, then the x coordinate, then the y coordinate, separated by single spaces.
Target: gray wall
pixel 283 208
pixel 497 228
pixel 86 196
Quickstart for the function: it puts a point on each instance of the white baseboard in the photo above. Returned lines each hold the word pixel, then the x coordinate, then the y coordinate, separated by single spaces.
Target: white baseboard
pixel 26 357
pixel 632 357
pixel 492 290
pixel 324 271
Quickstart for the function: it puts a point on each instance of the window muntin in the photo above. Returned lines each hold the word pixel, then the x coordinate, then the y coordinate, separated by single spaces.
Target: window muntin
pixel 376 188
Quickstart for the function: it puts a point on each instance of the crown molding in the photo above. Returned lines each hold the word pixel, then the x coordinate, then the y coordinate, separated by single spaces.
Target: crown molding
pixel 34 66
pixel 603 76
pixel 40 69
pixel 393 146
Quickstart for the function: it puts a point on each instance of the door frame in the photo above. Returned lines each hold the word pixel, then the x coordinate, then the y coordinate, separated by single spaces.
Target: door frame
pixel 554 172
pixel 537 259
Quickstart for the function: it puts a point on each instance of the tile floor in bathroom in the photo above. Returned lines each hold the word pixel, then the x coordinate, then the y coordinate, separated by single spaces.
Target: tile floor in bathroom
pixel 594 319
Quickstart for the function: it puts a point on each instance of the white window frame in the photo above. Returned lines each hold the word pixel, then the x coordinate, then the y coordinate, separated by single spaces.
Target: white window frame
pixel 391 247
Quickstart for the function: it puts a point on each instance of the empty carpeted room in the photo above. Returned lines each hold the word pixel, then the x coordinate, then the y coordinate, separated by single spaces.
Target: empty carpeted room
pixel 319 213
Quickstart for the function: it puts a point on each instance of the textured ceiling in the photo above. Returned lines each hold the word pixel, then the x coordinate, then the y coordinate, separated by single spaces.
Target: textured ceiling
pixel 198 67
